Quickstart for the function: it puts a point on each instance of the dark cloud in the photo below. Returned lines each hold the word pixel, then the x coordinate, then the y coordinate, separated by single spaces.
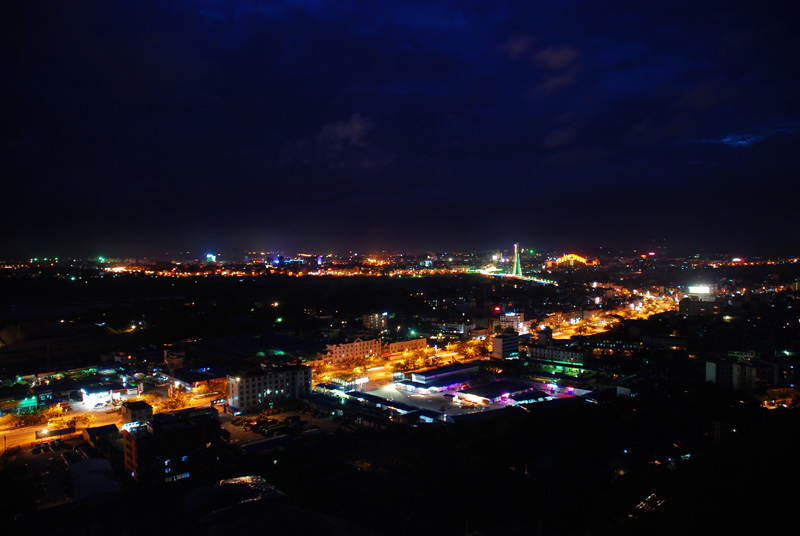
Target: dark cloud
pixel 556 57
pixel 177 124
pixel 559 138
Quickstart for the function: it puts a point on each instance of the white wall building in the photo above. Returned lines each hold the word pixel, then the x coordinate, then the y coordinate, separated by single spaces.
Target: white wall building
pixel 506 345
pixel 402 346
pixel 556 354
pixel 255 391
pixel 350 351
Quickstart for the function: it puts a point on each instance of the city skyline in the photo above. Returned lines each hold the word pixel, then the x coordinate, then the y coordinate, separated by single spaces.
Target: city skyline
pixel 213 126
pixel 503 254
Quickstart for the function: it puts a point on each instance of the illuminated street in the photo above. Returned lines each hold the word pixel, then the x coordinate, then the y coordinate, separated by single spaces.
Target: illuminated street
pixel 640 309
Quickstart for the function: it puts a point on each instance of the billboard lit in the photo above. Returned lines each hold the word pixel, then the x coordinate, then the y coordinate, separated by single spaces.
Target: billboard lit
pixel 700 290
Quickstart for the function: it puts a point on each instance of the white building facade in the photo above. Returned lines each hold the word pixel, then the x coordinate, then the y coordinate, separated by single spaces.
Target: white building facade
pixel 269 388
pixel 350 351
pixel 403 346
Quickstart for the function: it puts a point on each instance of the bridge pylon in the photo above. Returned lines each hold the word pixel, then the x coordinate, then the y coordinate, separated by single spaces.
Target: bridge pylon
pixel 517 271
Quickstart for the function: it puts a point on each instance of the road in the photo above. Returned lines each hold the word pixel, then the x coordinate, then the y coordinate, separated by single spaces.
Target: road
pixel 380 376
pixel 25 437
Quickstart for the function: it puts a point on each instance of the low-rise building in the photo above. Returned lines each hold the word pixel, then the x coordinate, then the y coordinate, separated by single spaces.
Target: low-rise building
pixel 137 411
pixel 491 393
pixel 651 342
pixel 190 379
pixel 270 387
pixel 556 354
pixel 350 351
pixel 93 435
pixel 398 347
pixel 450 377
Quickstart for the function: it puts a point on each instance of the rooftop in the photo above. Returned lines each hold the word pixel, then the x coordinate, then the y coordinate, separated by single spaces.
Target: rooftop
pixel 137 405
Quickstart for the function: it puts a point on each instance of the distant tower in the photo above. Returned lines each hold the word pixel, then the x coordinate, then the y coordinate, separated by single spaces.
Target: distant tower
pixel 517 266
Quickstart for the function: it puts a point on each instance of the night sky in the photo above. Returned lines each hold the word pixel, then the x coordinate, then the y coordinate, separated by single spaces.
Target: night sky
pixel 138 128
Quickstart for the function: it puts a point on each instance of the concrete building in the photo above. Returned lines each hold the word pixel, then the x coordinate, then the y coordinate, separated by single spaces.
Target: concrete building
pixel 777 397
pixel 706 293
pixel 506 345
pixel 491 393
pixel 174 359
pixel 172 446
pixel 742 375
pixel 650 342
pixel 189 379
pixel 456 328
pixel 450 377
pixel 720 371
pixel 398 347
pixel 557 354
pixel 375 321
pixel 93 435
pixel 350 351
pixel 101 394
pixel 514 322
pixel 270 387
pixel 94 482
pixel 137 411
pixel 750 375
pixel 691 307
pixel 544 336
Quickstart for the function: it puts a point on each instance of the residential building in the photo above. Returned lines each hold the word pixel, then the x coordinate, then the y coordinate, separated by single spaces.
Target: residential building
pixel 376 321
pixel 137 411
pixel 513 321
pixel 556 354
pixel 350 351
pixel 506 345
pixel 269 387
pixel 402 346
pixel 173 445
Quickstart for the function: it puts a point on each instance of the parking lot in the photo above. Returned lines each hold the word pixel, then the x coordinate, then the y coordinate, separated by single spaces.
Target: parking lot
pixel 46 466
pixel 244 433
pixel 435 402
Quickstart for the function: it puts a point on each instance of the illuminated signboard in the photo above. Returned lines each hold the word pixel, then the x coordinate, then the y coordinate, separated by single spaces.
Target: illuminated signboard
pixel 700 290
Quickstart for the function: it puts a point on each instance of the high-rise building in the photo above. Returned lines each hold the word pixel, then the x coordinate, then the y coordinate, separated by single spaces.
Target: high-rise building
pixel 513 321
pixel 376 321
pixel 690 307
pixel 173 445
